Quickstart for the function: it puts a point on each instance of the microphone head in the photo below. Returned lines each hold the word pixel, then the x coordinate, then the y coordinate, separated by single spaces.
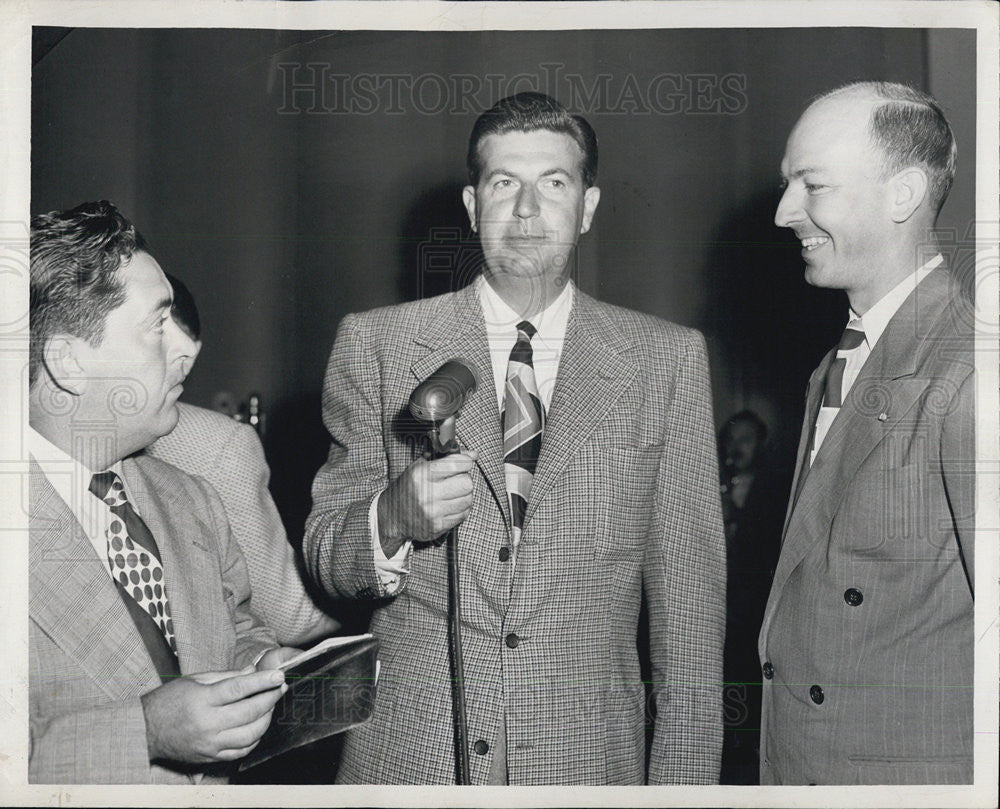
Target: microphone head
pixel 444 392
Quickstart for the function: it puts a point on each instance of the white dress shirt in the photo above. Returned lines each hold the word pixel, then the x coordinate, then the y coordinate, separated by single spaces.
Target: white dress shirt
pixel 71 480
pixel 873 323
pixel 501 334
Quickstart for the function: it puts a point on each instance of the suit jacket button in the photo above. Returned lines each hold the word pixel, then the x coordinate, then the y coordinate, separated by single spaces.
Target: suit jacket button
pixel 768 670
pixel 481 747
pixel 816 694
pixel 504 553
pixel 512 640
pixel 853 596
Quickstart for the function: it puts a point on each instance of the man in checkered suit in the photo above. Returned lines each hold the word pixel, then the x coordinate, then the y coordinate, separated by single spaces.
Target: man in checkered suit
pixel 623 503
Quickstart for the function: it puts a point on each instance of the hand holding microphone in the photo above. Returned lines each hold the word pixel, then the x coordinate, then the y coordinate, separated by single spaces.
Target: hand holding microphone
pixel 432 496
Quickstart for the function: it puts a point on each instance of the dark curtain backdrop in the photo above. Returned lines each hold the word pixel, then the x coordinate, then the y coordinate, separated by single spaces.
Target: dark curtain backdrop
pixel 287 192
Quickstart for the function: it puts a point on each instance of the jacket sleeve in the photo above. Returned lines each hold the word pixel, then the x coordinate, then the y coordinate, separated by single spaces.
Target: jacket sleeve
pixel 958 466
pixel 684 577
pixel 278 594
pixel 338 542
pixel 103 744
pixel 253 638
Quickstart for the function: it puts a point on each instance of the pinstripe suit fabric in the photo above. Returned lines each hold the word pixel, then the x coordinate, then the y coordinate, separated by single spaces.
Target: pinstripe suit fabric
pixel 88 666
pixel 886 510
pixel 229 456
pixel 623 499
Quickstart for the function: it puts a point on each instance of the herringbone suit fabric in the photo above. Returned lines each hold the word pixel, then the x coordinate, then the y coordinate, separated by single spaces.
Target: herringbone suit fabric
pixel 624 500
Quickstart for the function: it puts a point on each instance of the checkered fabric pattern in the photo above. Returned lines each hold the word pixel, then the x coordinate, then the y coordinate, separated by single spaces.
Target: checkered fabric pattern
pixel 88 665
pixel 624 500
pixel 230 457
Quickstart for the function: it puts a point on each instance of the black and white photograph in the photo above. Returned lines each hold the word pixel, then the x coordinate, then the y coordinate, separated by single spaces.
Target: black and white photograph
pixel 408 395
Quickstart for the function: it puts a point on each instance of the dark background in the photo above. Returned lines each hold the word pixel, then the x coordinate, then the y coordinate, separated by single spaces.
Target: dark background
pixel 285 209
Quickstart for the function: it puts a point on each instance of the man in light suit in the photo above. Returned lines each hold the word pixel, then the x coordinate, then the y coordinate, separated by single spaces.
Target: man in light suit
pixel 556 546
pixel 867 640
pixel 145 664
pixel 229 456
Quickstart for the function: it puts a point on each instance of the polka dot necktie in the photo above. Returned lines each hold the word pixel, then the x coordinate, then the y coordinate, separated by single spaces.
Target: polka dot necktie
pixel 133 555
pixel 523 420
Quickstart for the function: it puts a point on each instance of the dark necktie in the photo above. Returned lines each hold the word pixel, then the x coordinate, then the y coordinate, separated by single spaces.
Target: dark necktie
pixel 851 340
pixel 523 420
pixel 133 555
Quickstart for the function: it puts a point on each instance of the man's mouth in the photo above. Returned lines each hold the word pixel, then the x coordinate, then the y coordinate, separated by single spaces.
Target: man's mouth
pixel 812 242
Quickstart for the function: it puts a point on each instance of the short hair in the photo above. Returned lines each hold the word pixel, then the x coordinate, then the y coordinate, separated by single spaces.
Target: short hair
pixel 184 310
pixel 748 417
pixel 909 128
pixel 74 281
pixel 530 112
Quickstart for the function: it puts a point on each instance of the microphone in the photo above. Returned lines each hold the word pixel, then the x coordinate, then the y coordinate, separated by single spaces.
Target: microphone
pixel 439 398
pixel 437 401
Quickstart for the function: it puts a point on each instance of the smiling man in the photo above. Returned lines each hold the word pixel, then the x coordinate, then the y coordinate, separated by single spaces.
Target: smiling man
pixel 589 479
pixel 146 666
pixel 866 645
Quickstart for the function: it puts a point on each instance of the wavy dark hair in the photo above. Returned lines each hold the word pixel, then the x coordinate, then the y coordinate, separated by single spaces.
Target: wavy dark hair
pixel 75 258
pixel 530 112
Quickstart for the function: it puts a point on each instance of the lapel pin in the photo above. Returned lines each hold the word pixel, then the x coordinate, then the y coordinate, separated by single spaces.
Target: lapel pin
pixel 883 416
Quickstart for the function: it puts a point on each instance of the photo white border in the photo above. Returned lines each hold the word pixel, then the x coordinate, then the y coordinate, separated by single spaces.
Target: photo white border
pixel 16 19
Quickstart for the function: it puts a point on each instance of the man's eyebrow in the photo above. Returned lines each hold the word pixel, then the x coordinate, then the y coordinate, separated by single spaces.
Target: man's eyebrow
pixel 498 172
pixel 803 171
pixel 166 302
pixel 507 173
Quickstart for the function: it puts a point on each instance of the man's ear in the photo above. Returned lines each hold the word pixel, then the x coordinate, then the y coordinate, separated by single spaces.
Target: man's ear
pixel 907 189
pixel 590 199
pixel 63 362
pixel 469 199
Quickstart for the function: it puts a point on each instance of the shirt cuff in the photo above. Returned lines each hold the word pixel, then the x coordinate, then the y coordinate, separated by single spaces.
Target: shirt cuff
pixel 390 572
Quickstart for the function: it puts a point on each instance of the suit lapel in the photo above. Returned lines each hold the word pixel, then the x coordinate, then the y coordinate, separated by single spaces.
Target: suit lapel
pixel 188 570
pixel 814 398
pixel 457 330
pixel 884 392
pixel 73 600
pixel 594 372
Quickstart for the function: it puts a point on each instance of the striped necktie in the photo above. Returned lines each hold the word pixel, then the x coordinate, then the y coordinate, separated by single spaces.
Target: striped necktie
pixel 523 420
pixel 854 350
pixel 851 340
pixel 133 555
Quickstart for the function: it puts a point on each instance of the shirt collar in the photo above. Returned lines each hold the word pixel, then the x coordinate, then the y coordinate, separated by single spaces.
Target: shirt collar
pixel 68 476
pixel 501 320
pixel 875 320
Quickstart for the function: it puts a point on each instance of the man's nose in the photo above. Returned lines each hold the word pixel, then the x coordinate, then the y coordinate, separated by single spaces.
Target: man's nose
pixel 789 209
pixel 527 203
pixel 184 347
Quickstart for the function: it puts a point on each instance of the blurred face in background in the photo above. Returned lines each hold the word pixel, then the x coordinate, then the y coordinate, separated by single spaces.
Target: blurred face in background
pixel 741 446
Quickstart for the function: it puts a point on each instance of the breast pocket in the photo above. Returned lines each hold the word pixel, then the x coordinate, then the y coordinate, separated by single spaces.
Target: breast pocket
pixel 623 486
pixel 904 508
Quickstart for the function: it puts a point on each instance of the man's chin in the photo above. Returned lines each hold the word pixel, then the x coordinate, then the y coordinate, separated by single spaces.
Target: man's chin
pixel 818 276
pixel 170 415
pixel 525 264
